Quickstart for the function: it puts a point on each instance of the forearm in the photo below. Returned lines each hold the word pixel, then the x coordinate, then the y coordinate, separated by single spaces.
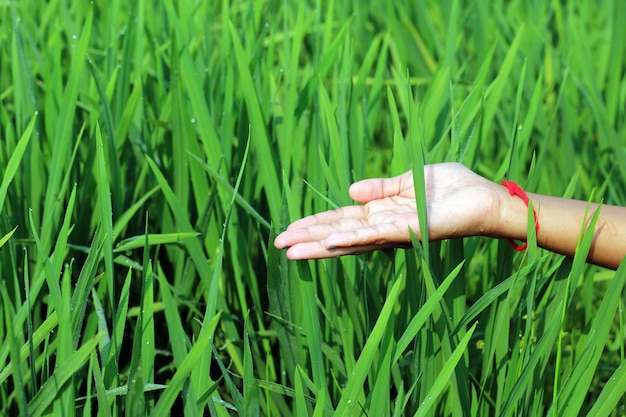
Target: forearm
pixel 560 222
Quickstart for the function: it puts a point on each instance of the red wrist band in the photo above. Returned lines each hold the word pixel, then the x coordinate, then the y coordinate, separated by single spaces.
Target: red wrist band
pixel 515 190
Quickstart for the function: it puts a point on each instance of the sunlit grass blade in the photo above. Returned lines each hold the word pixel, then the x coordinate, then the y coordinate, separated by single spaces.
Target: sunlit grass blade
pixel 103 403
pixel 152 239
pixel 238 198
pixel 49 390
pixel 612 393
pixel 183 371
pixel 261 141
pixel 12 340
pixel 304 99
pixel 14 161
pixel 446 372
pixel 4 239
pixel 424 314
pixel 105 210
pixel 84 285
pixel 66 119
pixel 250 386
pixel 571 396
pixel 350 395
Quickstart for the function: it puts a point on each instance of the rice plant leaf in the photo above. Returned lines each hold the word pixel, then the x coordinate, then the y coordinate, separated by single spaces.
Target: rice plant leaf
pixel 281 298
pixel 4 239
pixel 152 240
pixel 612 393
pixel 338 154
pixel 261 141
pixel 12 340
pixel 63 371
pixel 39 336
pixel 488 298
pixel 66 120
pixel 311 319
pixel 322 68
pixel 103 404
pixel 84 284
pixel 147 317
pixel 250 386
pixel 194 247
pixel 443 378
pixel 572 395
pixel 105 210
pixel 177 337
pixel 238 197
pixel 350 394
pixel 424 314
pixel 123 219
pixel 300 402
pixel 113 161
pixel 14 161
pixel 183 371
pixel 236 396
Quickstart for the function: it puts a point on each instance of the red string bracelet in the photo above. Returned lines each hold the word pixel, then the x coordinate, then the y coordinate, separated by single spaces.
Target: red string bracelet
pixel 515 190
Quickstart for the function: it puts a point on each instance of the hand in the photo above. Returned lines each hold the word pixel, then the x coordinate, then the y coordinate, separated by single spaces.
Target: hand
pixel 459 203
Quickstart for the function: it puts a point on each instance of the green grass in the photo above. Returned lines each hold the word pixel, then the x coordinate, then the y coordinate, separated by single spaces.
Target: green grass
pixel 150 153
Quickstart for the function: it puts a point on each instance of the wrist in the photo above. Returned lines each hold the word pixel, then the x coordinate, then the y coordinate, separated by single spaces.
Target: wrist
pixel 511 215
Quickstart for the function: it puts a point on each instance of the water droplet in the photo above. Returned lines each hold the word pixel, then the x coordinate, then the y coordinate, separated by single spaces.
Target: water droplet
pixel 74 36
pixel 193 120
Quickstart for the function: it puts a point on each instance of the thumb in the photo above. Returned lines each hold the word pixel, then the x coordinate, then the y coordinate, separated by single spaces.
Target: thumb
pixel 376 188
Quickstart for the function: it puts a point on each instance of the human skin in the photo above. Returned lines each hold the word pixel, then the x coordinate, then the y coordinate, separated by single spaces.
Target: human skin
pixel 460 203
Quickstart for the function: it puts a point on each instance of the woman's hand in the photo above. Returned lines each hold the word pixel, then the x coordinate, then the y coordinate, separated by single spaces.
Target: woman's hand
pixel 459 203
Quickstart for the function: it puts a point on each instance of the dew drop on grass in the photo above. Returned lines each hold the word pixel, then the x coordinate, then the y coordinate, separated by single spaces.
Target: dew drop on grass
pixel 74 36
pixel 193 120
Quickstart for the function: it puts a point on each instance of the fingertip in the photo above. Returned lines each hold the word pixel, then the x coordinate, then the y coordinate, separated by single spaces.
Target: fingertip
pixel 292 254
pixel 356 192
pixel 279 242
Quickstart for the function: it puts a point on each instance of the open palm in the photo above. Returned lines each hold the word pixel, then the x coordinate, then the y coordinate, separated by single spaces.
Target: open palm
pixel 459 203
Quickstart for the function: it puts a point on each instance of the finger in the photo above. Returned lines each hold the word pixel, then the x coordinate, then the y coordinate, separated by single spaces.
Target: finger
pixel 377 188
pixel 316 232
pixel 316 250
pixel 380 234
pixel 329 217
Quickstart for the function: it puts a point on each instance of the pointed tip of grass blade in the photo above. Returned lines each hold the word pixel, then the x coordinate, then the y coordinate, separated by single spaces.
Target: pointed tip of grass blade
pixel 4 239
